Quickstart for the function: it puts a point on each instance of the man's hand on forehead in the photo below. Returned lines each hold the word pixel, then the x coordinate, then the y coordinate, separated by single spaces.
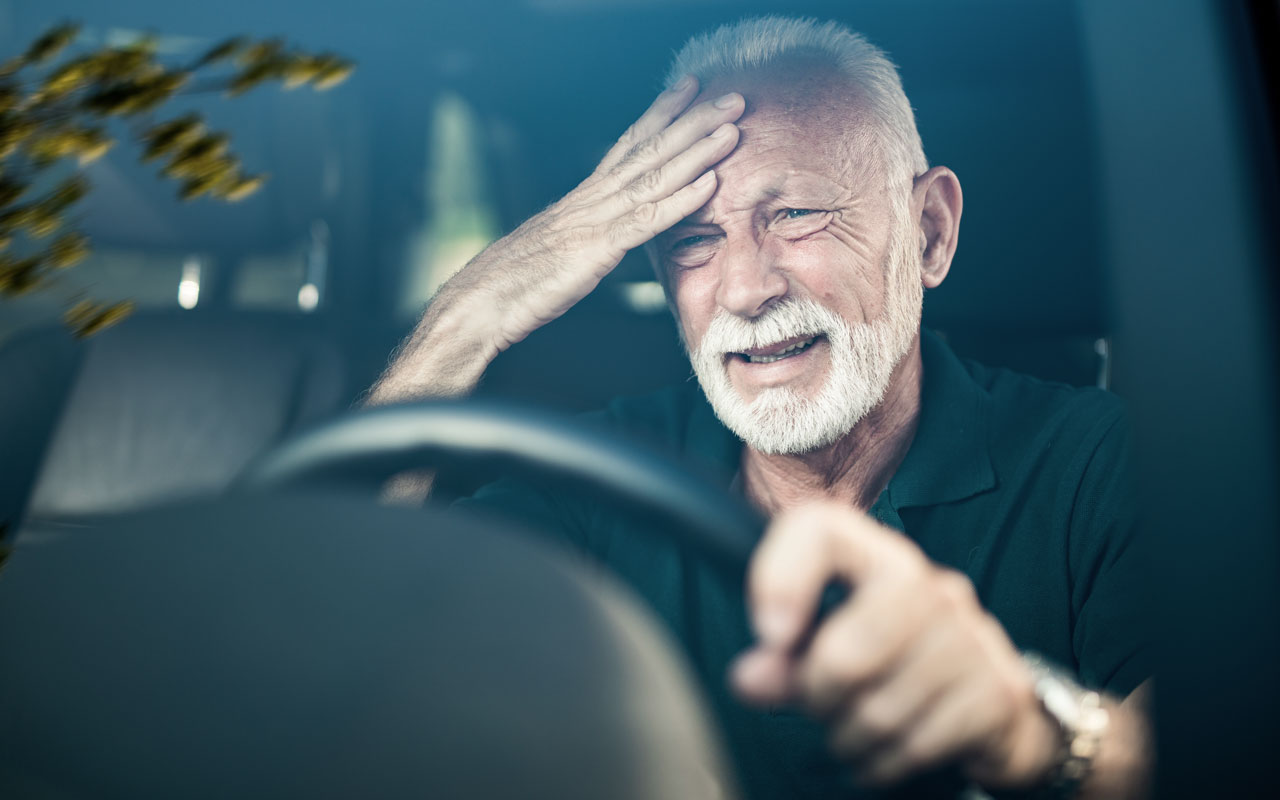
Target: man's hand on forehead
pixel 658 173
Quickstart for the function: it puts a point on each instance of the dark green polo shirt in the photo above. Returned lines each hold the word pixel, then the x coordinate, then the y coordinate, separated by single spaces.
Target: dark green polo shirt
pixel 1016 482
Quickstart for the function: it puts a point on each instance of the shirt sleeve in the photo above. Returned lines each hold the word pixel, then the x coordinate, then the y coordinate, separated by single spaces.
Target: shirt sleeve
pixel 1111 568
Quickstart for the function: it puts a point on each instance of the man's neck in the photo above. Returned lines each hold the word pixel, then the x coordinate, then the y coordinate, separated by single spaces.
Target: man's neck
pixel 855 469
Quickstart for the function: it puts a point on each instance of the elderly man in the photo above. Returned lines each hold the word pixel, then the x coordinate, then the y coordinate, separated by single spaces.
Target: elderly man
pixel 781 189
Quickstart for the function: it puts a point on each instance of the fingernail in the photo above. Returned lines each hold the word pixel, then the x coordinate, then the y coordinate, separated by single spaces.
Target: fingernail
pixel 728 101
pixel 683 83
pixel 722 132
pixel 707 177
pixel 775 626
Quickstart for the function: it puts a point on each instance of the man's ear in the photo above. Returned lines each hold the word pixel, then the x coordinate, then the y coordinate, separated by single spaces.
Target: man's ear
pixel 937 201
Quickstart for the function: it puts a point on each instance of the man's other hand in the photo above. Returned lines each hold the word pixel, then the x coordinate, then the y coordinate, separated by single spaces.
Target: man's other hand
pixel 910 672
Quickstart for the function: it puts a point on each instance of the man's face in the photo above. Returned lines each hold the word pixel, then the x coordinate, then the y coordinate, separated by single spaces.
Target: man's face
pixel 797 286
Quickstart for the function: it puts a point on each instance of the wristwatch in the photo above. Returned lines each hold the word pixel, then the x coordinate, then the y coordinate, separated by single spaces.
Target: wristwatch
pixel 1081 719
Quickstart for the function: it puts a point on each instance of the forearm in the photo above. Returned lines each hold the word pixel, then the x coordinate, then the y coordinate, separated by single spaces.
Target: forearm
pixel 445 355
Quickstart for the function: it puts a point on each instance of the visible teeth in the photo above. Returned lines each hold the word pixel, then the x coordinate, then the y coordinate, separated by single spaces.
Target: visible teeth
pixel 790 351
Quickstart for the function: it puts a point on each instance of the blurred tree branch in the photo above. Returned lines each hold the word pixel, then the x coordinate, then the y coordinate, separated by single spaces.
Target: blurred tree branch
pixel 58 111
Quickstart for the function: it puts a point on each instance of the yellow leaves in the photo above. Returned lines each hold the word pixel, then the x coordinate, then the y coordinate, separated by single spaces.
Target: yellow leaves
pixel 137 94
pixel 269 61
pixel 301 70
pixel 93 152
pixel 163 139
pixel 261 52
pixel 18 217
pixel 323 71
pixel 203 165
pixel 52 113
pixel 334 72
pixel 19 275
pixel 11 190
pixel 87 317
pixel 222 51
pixel 242 188
pixel 9 98
pixel 86 144
pixel 68 250
pixel 198 157
pixel 38 220
pixel 13 131
pixel 65 195
pixel 221 178
pixel 259 62
pixel 209 176
pixel 68 78
pixel 51 43
pixel 43 224
pixel 228 184
pixel 136 60
pixel 253 76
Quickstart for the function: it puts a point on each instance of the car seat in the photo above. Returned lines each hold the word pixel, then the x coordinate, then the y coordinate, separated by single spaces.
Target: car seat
pixel 162 406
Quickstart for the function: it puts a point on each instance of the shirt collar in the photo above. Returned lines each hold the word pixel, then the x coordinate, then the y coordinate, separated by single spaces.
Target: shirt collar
pixel 949 458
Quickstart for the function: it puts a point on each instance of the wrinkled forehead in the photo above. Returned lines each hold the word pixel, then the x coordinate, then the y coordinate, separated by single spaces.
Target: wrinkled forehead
pixel 806 101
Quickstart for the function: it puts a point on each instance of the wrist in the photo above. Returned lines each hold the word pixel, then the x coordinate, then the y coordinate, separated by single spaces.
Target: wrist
pixel 1080 722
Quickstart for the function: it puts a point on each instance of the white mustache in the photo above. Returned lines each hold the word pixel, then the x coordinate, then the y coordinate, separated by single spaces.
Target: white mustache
pixel 788 319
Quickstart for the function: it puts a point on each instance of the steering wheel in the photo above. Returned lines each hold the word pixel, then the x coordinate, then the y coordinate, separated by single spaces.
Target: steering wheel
pixel 367 447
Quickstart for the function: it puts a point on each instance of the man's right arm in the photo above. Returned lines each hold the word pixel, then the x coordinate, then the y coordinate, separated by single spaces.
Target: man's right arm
pixel 655 175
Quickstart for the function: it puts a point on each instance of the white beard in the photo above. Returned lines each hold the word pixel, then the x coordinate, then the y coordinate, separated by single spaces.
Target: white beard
pixel 862 358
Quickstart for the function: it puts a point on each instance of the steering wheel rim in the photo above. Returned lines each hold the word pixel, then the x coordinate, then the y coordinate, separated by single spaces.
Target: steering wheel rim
pixel 366 447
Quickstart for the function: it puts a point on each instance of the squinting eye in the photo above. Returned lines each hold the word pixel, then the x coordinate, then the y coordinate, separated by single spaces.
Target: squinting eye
pixel 794 213
pixel 688 241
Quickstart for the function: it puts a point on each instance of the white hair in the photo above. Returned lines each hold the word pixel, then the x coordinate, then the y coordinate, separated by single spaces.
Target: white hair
pixel 759 42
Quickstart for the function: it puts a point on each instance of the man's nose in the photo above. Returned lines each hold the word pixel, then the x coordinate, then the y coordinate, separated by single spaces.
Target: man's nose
pixel 750 280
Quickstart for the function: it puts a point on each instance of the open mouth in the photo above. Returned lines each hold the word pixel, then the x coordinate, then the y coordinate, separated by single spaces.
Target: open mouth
pixel 779 351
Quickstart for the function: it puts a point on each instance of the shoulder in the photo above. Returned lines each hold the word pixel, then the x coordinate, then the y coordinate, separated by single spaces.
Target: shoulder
pixel 1024 409
pixel 1066 447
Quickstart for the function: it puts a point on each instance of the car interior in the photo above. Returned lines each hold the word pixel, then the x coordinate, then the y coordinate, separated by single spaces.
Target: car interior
pixel 1118 161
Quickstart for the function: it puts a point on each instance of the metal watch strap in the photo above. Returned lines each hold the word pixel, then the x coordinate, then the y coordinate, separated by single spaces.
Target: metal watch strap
pixel 1081 719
